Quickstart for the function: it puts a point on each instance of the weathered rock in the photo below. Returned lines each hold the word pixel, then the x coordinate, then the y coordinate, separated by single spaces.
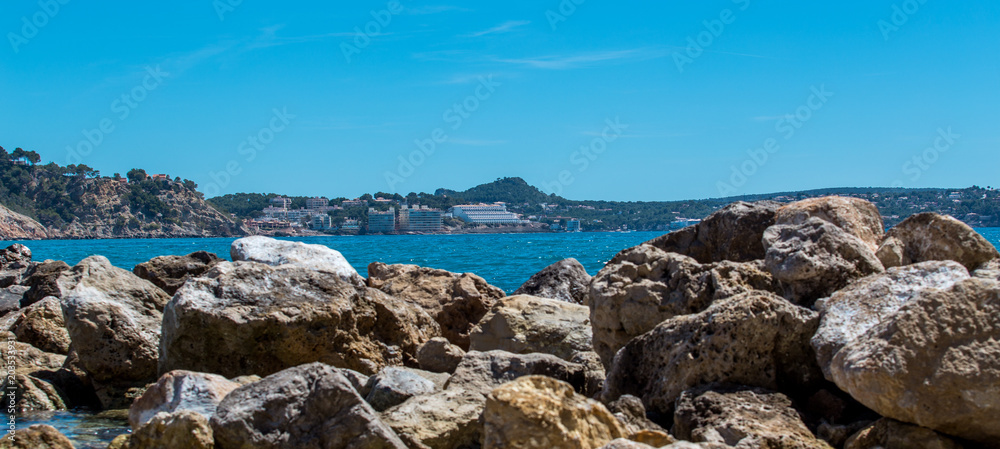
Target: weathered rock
pixel 815 258
pixel 742 417
pixel 171 272
pixel 439 355
pixel 456 301
pixel 593 370
pixel 930 236
pixel 38 436
pixel 276 253
pixel 42 281
pixel 988 270
pixel 180 391
pixel 309 406
pixel 851 312
pixel 14 226
pixel 566 280
pixel 249 318
pixel 858 217
pixel 32 394
pixel 392 386
pixel 183 429
pixel 643 286
pixel 733 233
pixel 11 298
pixel 755 339
pixel 632 414
pixel 889 433
pixel 622 443
pixel 42 326
pixel 359 381
pixel 120 441
pixel 450 418
pixel 525 324
pixel 15 260
pixel 537 411
pixel 934 363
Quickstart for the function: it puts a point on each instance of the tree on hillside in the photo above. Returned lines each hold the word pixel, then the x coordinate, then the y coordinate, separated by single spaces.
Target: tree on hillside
pixel 137 175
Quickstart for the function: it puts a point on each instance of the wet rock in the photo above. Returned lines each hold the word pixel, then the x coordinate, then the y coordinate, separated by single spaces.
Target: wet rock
pixel 733 233
pixel 934 363
pixel 303 407
pixel 249 318
pixel 742 417
pixel 171 272
pixel 180 391
pixel 565 280
pixel 439 355
pixel 526 324
pixel 42 326
pixel 930 236
pixel 183 429
pixel 537 411
pixel 456 301
pixel 755 339
pixel 644 286
pixel 38 436
pixel 853 311
pixel 889 433
pixel 276 253
pixel 858 217
pixel 815 258
pixel 42 281
pixel 392 386
pixel 32 394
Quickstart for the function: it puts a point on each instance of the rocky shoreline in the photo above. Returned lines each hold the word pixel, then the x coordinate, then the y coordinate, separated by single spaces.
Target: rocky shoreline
pixel 767 325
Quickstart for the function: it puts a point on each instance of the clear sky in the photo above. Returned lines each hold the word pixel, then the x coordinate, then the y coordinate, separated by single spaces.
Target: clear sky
pixel 288 97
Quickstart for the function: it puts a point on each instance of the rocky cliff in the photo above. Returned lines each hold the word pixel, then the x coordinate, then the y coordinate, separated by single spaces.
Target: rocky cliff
pixel 14 226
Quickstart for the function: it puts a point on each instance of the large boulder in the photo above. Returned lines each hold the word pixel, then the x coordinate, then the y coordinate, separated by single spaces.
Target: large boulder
pixel 858 217
pixel 525 324
pixel 934 363
pixel 11 299
pixel 439 355
pixel 643 286
pixel 732 233
pixel 15 260
pixel 171 272
pixel 180 391
pixel 38 436
pixel 538 411
pixel 393 385
pixel 853 311
pixel 566 280
pixel 930 236
pixel 742 417
pixel 42 325
pixel 451 418
pixel 42 281
pixel 756 339
pixel 456 301
pixel 309 406
pixel 276 253
pixel 889 433
pixel 815 258
pixel 248 318
pixel 184 429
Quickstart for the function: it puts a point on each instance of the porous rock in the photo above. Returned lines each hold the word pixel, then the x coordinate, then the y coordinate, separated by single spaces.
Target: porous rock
pixel 931 236
pixel 524 324
pixel 38 436
pixel 180 391
pixel 889 433
pixel 858 217
pixel 732 233
pixel 439 355
pixel 183 429
pixel 171 272
pixel 566 280
pixel 42 325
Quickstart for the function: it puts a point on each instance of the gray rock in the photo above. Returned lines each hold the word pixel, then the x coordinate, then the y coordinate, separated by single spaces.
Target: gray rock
pixel 565 280
pixel 856 216
pixel 439 355
pixel 42 281
pixel 15 260
pixel 181 391
pixel 11 298
pixel 43 326
pixel 171 272
pixel 392 386
pixel 632 414
pixel 733 233
pixel 930 236
pixel 276 253
pixel 867 302
pixel 309 406
pixel 525 324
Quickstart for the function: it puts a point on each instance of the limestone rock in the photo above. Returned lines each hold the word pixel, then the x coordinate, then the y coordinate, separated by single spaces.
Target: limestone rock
pixel 644 286
pixel 525 324
pixel 274 252
pixel 456 301
pixel 742 417
pixel 537 411
pixel 180 391
pixel 309 406
pixel 171 272
pixel 934 363
pixel 249 318
pixel 815 258
pixel 14 226
pixel 858 217
pixel 97 272
pixel 565 280
pixel 184 429
pixel 988 270
pixel 393 385
pixel 15 260
pixel 42 281
pixel 439 355
pixel 733 233
pixel 853 311
pixel 889 433
pixel 755 339
pixel 42 326
pixel 930 236
pixel 38 436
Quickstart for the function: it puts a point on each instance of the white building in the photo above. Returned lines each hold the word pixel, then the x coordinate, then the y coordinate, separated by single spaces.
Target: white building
pixel 485 214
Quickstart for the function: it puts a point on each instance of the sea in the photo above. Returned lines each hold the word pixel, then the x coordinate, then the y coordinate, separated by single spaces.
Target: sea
pixel 504 260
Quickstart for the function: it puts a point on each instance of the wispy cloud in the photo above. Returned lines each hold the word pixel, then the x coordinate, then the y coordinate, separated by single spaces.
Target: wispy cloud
pixel 502 28
pixel 563 62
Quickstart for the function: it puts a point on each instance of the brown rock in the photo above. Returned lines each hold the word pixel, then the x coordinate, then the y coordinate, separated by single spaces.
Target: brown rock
pixel 632 415
pixel 184 429
pixel 42 281
pixel 525 324
pixel 889 433
pixel 178 391
pixel 42 326
pixel 439 355
pixel 733 233
pixel 14 226
pixel 566 280
pixel 171 272
pixel 858 217
pixel 456 301
pixel 930 236
pixel 39 436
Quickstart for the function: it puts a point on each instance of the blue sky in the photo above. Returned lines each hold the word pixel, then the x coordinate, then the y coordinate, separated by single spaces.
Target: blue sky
pixel 841 93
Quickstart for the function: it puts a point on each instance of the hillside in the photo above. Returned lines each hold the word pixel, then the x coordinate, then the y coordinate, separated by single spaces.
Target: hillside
pixel 75 202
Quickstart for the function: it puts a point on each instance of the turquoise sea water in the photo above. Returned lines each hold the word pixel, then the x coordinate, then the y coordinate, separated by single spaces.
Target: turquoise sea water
pixel 504 260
